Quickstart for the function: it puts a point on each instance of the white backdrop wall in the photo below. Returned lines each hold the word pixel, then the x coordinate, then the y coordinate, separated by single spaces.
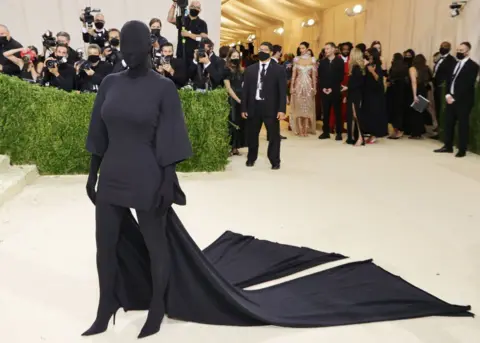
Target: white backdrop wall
pixel 29 19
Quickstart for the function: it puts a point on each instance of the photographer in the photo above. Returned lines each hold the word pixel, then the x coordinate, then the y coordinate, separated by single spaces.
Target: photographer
pixel 205 70
pixel 172 68
pixel 28 62
pixel 190 28
pixel 111 51
pixel 93 30
pixel 57 72
pixel 90 73
pixel 64 38
pixel 8 43
pixel 156 29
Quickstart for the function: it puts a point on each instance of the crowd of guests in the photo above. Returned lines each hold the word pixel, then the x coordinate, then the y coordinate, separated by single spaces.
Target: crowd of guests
pixel 344 85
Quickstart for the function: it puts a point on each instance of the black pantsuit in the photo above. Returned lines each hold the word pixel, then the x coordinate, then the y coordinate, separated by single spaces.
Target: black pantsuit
pixel 262 99
pixel 462 89
pixel 330 76
pixel 254 126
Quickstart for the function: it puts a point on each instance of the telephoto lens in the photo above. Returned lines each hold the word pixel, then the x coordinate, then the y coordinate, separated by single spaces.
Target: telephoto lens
pixel 51 63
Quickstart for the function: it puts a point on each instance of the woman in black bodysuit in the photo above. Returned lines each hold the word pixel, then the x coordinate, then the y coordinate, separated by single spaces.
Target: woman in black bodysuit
pixel 137 135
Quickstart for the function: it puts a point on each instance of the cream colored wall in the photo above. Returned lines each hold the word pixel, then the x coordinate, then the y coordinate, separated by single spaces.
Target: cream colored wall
pixel 331 25
pixel 29 19
pixel 421 25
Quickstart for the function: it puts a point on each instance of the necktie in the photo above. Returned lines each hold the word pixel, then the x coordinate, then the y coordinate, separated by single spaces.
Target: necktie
pixel 262 77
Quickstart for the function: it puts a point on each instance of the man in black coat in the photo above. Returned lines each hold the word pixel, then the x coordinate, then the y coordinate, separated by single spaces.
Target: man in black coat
pixel 330 77
pixel 8 43
pixel 460 100
pixel 442 72
pixel 264 100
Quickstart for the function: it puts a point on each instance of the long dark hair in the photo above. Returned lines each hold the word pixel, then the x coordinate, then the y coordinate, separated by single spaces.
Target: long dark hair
pixel 229 64
pixel 423 72
pixel 305 44
pixel 375 55
pixel 399 68
pixel 377 42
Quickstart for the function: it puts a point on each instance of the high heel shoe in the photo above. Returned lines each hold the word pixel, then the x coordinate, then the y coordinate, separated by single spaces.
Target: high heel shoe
pixel 153 323
pixel 100 324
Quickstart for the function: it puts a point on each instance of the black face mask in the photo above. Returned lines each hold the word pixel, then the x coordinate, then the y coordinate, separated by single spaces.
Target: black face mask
pixel 156 32
pixel 460 55
pixel 235 61
pixel 61 59
pixel 99 25
pixel 263 56
pixel 93 59
pixel 194 12
pixel 3 40
pixel 136 46
pixel 345 53
pixel 408 60
pixel 444 51
pixel 114 42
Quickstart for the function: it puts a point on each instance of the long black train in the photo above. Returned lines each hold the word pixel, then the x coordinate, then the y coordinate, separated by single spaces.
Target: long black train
pixel 204 286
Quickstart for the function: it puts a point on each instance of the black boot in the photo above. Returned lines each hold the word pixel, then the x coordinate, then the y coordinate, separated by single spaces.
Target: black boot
pixel 154 321
pixel 106 309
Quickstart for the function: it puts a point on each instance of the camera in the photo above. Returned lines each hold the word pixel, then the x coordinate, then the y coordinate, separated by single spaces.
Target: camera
pixel 153 38
pixel 456 7
pixel 182 3
pixel 84 65
pixel 51 64
pixel 88 18
pixel 49 40
pixel 202 52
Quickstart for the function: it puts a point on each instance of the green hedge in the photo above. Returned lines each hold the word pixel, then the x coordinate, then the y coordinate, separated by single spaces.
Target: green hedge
pixel 48 127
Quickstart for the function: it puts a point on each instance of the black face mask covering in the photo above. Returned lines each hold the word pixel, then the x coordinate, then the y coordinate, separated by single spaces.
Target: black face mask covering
pixel 136 46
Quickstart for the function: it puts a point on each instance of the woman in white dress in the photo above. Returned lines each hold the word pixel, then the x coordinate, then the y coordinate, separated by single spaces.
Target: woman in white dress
pixel 303 90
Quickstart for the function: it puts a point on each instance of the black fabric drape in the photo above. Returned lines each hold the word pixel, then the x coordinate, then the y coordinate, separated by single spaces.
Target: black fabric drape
pixel 206 287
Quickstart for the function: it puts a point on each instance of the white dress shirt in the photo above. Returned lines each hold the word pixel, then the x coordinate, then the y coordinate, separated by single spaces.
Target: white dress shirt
pixel 458 69
pixel 257 96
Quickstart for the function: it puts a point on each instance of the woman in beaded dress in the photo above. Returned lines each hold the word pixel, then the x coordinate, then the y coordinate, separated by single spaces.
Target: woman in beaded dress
pixel 303 90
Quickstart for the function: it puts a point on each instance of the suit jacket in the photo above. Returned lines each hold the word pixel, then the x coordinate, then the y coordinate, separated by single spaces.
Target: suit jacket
pixel 215 75
pixel 464 89
pixel 445 70
pixel 274 89
pixel 330 74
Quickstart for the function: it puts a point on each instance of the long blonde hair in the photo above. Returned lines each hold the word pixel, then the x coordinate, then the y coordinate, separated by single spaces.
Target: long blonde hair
pixel 356 59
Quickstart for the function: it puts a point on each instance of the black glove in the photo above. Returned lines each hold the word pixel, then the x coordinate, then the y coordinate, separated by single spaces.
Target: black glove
pixel 167 188
pixel 95 162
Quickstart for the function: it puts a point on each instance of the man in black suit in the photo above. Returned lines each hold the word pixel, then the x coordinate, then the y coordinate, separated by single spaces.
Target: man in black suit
pixel 460 100
pixel 442 72
pixel 205 71
pixel 276 57
pixel 264 100
pixel 330 77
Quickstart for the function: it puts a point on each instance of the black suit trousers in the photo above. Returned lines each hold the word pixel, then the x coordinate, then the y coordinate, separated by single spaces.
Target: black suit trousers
pixel 439 98
pixel 334 100
pixel 461 113
pixel 254 125
pixel 153 228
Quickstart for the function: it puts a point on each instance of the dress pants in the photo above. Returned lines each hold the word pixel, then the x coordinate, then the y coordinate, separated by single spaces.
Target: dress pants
pixel 254 125
pixel 153 228
pixel 329 101
pixel 461 113
pixel 439 98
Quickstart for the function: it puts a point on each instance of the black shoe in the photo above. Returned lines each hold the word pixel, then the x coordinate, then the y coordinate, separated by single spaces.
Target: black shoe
pixel 444 150
pixel 250 164
pixel 283 137
pixel 276 167
pixel 350 141
pixel 101 323
pixel 339 138
pixel 461 154
pixel 324 136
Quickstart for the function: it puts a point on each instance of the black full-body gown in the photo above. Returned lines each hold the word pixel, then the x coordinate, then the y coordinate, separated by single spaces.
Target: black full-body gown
pixel 138 127
pixel 237 130
pixel 374 118
pixel 356 84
